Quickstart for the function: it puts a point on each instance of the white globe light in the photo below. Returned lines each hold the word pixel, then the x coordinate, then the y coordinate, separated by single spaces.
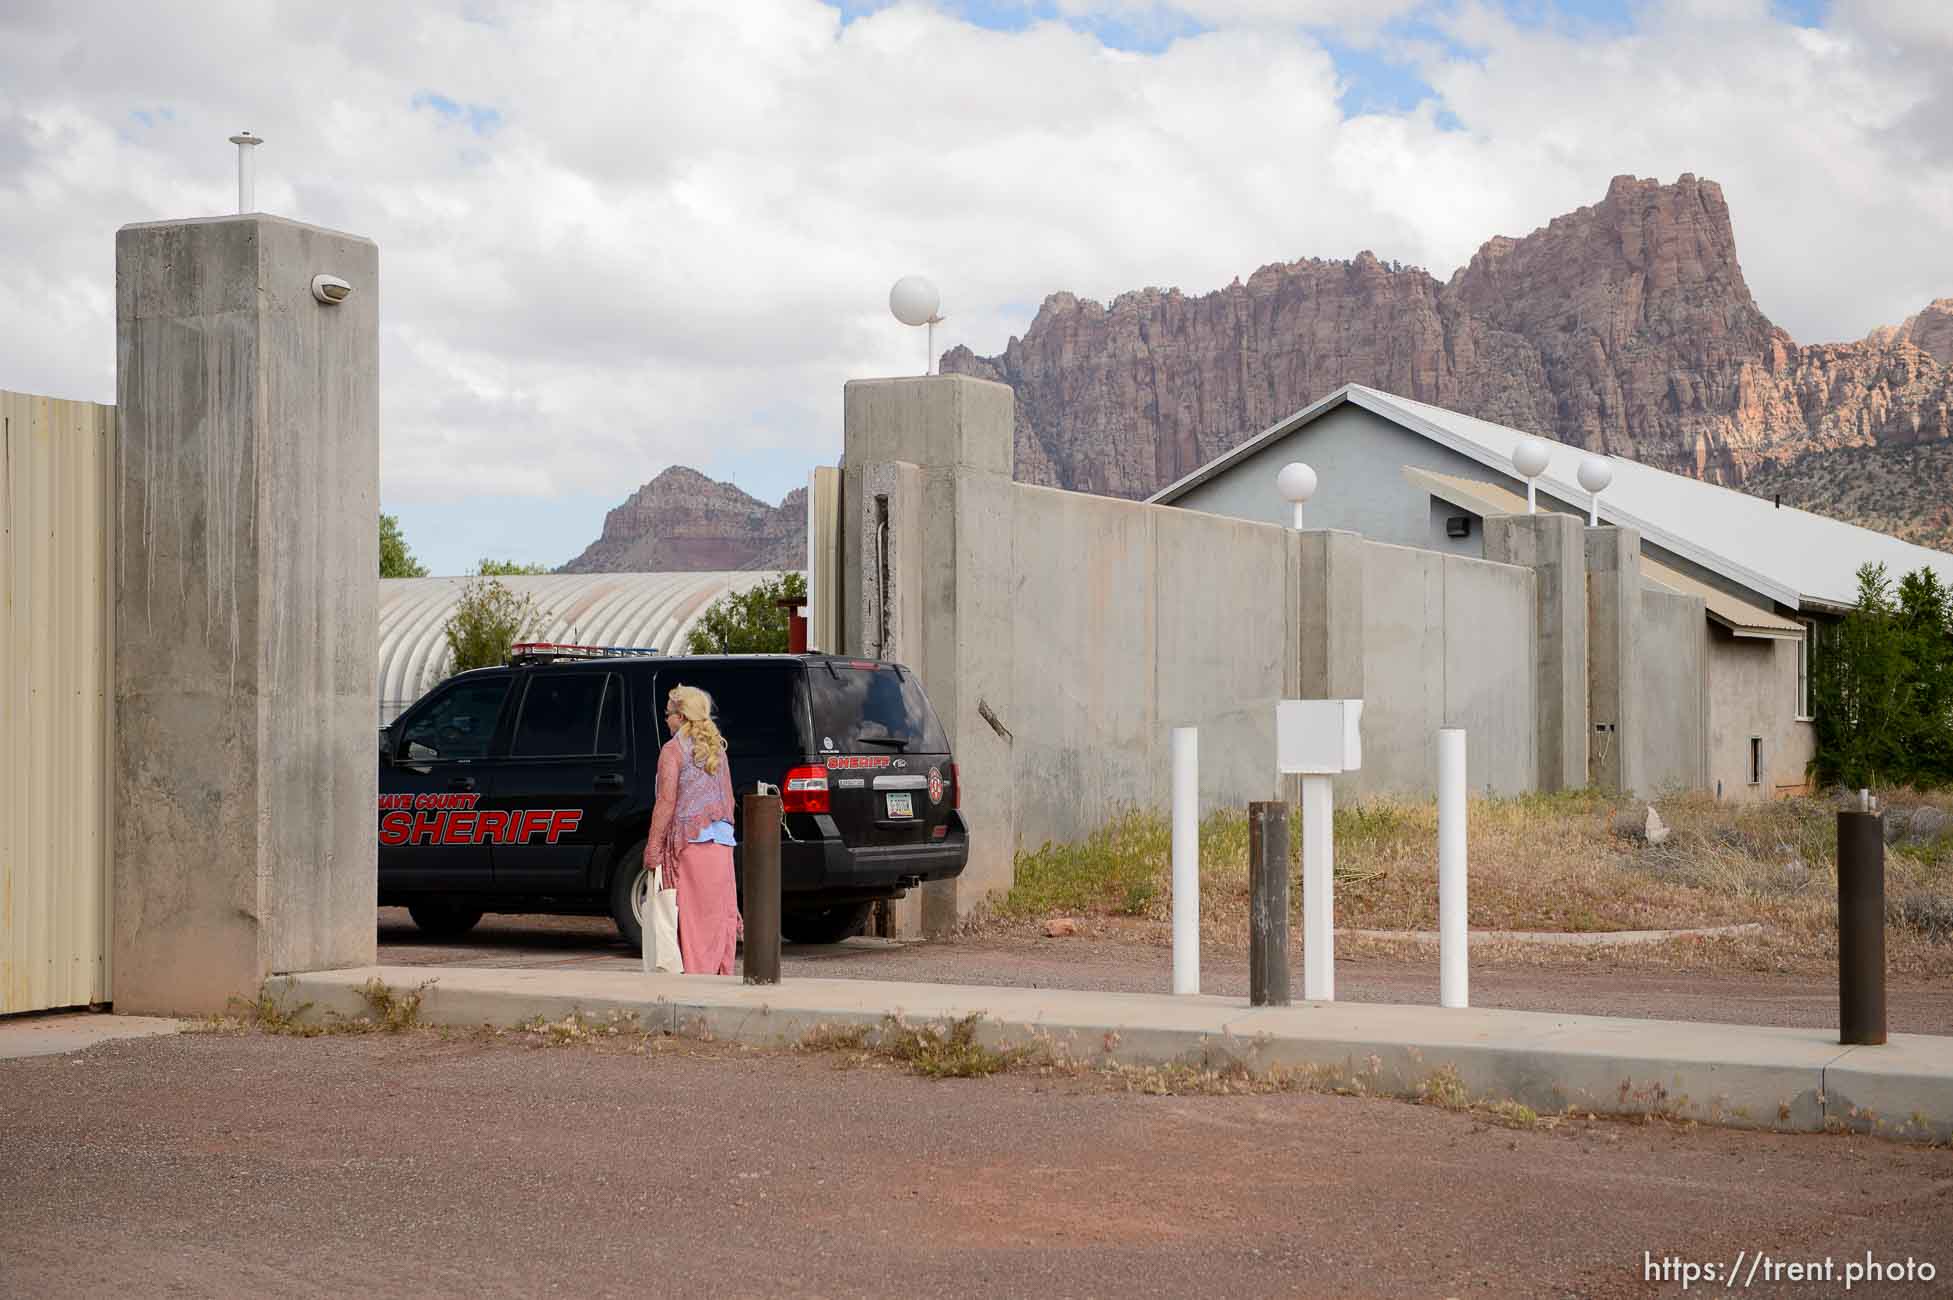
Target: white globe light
pixel 1296 482
pixel 914 300
pixel 1595 474
pixel 1529 457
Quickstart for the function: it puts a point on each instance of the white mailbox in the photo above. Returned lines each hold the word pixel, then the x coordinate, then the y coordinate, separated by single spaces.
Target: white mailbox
pixel 1318 737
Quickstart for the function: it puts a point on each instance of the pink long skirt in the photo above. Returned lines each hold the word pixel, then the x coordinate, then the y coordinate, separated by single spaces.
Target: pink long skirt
pixel 708 909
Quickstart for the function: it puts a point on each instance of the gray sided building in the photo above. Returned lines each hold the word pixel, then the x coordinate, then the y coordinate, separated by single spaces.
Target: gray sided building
pixel 1709 666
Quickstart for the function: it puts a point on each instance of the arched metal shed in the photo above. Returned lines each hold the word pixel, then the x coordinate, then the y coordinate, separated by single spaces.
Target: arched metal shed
pixel 654 610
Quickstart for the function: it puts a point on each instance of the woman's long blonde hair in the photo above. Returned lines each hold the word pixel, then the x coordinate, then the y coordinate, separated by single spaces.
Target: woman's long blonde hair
pixel 695 707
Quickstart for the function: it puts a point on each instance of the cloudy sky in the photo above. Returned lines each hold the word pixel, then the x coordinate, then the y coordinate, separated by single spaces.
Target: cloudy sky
pixel 620 235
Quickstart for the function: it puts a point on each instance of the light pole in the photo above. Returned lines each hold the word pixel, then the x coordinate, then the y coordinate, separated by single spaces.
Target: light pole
pixel 914 301
pixel 1296 483
pixel 1529 457
pixel 1596 472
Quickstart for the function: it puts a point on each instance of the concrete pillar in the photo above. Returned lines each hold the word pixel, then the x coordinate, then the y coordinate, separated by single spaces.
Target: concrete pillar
pixel 247 486
pixel 888 519
pixel 956 432
pixel 1552 546
pixel 1613 667
pixel 1327 597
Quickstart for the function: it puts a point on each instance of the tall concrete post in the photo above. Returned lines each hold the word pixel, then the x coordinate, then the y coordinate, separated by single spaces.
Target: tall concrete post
pixel 1552 545
pixel 246 608
pixel 956 432
pixel 1327 597
pixel 1613 666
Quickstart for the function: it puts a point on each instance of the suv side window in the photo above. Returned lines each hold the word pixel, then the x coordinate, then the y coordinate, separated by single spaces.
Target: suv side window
pixel 570 715
pixel 758 706
pixel 458 724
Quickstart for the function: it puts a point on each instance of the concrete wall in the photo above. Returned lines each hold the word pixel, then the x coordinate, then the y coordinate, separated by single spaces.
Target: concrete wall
pixel 245 608
pixel 56 817
pixel 1753 692
pixel 1447 642
pixel 1123 628
pixel 1672 662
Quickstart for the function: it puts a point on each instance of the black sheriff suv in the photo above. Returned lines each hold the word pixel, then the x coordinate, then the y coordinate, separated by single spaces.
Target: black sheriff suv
pixel 529 788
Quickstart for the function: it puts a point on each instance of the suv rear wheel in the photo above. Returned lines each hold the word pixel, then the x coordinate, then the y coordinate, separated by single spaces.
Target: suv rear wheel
pixel 828 925
pixel 626 896
pixel 440 922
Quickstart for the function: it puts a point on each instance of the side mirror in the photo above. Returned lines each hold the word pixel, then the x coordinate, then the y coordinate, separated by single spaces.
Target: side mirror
pixel 386 743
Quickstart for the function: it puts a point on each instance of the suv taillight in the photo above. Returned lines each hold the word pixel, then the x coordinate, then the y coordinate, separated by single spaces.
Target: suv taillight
pixel 804 790
pixel 955 787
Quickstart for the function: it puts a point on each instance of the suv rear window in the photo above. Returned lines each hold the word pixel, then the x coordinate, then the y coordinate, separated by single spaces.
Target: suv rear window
pixel 872 709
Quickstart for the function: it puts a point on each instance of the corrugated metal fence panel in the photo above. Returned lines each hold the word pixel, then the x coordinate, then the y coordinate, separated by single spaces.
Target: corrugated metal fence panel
pixel 55 515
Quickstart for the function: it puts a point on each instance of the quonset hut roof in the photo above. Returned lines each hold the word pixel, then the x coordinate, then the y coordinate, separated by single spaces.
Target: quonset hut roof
pixel 653 610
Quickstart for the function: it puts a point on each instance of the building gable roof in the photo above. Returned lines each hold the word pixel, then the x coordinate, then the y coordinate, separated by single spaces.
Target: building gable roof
pixel 1792 556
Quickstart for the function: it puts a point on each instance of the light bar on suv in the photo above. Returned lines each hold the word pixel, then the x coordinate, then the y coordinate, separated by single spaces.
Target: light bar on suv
pixel 542 652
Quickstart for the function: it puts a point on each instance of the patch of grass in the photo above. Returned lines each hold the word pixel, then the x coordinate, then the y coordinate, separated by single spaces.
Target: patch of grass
pixel 1550 862
pixel 834 1038
pixel 393 1010
pixel 579 1029
pixel 946 1051
pixel 269 1013
pixel 390 1011
pixel 1443 1088
pixel 1115 869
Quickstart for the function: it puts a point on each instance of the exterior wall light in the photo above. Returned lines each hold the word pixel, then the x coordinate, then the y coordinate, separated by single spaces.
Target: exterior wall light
pixel 330 289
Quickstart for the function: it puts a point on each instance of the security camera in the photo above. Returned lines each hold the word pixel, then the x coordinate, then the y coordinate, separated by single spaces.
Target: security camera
pixel 330 289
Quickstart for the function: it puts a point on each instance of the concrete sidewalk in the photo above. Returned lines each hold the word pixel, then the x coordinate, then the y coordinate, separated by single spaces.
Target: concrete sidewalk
pixel 1739 1075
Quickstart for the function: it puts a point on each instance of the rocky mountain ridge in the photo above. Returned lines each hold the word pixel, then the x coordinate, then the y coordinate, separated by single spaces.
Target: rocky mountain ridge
pixel 1626 327
pixel 682 521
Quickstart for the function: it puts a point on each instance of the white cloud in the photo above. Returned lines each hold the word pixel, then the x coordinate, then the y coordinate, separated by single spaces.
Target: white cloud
pixel 618 235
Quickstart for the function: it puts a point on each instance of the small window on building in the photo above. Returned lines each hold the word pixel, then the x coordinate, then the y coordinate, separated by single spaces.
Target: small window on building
pixel 1806 650
pixel 1756 760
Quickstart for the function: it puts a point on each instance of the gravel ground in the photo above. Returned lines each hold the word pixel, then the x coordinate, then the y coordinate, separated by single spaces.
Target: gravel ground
pixel 1591 986
pixel 424 1165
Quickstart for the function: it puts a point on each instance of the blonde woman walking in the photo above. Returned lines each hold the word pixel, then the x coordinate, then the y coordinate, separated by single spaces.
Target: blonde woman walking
pixel 691 833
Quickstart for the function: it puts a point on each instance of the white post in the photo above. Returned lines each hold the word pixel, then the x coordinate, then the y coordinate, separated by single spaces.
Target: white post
pixel 929 357
pixel 1532 497
pixel 1186 860
pixel 1593 510
pixel 1453 965
pixel 1298 516
pixel 247 171
pixel 1318 890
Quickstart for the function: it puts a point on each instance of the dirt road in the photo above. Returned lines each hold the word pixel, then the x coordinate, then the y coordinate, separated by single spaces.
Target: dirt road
pixel 414 1165
pixel 1593 987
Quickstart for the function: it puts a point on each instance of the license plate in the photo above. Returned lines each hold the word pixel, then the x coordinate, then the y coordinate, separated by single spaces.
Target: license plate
pixel 901 805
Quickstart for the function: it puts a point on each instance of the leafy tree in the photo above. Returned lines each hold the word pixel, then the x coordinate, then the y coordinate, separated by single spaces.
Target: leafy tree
pixel 748 622
pixel 396 561
pixel 1926 618
pixel 1882 685
pixel 488 620
pixel 508 568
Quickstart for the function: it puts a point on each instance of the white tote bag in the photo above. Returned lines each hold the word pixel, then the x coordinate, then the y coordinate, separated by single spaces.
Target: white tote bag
pixel 657 914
